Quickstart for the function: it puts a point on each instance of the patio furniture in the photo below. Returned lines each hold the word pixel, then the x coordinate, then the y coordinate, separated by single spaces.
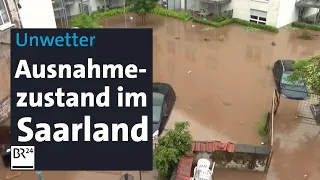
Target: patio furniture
pixel 204 13
pixel 202 171
pixel 203 164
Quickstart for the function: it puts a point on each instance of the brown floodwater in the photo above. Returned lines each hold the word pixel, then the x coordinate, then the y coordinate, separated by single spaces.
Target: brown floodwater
pixel 223 89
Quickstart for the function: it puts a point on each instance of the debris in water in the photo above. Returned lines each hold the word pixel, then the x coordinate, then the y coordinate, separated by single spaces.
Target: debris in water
pixel 192 25
pixel 262 143
pixel 226 103
pixel 273 43
pixel 296 117
pixel 241 122
pixel 189 72
pixel 305 175
pixel 206 39
pixel 177 38
pixel 190 108
pixel 131 17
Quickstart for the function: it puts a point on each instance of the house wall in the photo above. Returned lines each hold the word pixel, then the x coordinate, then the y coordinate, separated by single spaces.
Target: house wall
pixel 117 3
pixel 37 14
pixel 95 3
pixel 241 9
pixel 74 9
pixel 5 77
pixel 310 12
pixel 289 13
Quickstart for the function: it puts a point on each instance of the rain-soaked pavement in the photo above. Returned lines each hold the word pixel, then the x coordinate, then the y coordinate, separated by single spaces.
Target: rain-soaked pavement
pixel 223 89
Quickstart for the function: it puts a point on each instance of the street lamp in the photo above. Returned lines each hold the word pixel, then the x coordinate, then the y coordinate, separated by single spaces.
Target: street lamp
pixel 125 14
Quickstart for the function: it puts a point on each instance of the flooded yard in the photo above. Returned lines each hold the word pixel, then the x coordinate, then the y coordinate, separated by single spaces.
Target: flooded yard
pixel 223 89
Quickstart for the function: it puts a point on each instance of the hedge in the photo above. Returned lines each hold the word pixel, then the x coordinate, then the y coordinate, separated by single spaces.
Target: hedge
pixel 212 23
pixel 306 26
pixel 111 12
pixel 187 17
pixel 255 25
pixel 174 14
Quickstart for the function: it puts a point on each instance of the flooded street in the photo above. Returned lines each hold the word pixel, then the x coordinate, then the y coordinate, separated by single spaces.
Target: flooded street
pixel 223 89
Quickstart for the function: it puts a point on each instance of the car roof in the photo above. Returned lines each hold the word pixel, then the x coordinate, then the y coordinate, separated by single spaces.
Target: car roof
pixel 287 65
pixel 157 99
pixel 162 88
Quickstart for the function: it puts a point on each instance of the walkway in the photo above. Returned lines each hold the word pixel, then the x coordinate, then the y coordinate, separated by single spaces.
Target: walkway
pixel 296 145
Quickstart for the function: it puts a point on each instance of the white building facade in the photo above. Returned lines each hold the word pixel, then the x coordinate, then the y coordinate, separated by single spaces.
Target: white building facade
pixel 277 13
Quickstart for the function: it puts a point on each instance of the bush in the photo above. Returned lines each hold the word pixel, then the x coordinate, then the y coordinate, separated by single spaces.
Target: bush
pixel 237 21
pixel 306 26
pixel 306 35
pixel 219 21
pixel 221 37
pixel 263 129
pixel 212 23
pixel 255 25
pixel 172 146
pixel 221 17
pixel 112 12
pixel 178 15
pixel 84 21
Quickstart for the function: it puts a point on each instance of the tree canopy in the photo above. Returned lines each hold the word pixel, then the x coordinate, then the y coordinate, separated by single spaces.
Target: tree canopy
pixel 309 70
pixel 142 7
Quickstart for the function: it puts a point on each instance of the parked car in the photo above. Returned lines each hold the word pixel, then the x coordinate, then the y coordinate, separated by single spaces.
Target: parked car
pixel 164 98
pixel 297 90
pixel 6 155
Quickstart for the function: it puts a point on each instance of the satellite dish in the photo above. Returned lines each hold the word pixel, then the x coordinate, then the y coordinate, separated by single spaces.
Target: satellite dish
pixel 127 177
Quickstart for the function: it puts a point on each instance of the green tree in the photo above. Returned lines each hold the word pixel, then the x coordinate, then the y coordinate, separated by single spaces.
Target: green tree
pixel 84 21
pixel 142 7
pixel 175 143
pixel 309 70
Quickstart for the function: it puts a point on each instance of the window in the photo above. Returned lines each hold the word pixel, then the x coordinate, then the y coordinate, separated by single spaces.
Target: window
pixel 259 17
pixel 5 21
pixel 165 109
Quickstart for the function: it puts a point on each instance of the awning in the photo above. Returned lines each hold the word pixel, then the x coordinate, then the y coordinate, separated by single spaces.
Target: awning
pixel 216 1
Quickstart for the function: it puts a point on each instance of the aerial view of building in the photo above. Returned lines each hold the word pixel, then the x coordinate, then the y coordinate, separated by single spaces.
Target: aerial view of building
pixel 227 67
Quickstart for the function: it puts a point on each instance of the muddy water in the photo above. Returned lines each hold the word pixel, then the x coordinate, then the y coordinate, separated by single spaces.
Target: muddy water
pixel 223 89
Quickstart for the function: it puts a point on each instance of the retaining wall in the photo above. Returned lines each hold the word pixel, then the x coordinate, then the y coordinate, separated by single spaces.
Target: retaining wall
pixel 239 156
pixel 244 157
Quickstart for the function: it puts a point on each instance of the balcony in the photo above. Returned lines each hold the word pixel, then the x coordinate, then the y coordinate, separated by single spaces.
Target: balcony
pixel 308 3
pixel 216 1
pixel 5 109
pixel 72 1
pixel 60 4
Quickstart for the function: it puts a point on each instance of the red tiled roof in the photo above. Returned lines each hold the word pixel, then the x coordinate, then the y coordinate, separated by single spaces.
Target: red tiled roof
pixel 212 146
pixel 184 168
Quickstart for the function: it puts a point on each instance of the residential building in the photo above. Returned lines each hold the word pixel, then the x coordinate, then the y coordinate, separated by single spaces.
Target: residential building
pixel 64 10
pixel 36 13
pixel 9 15
pixel 9 18
pixel 276 13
